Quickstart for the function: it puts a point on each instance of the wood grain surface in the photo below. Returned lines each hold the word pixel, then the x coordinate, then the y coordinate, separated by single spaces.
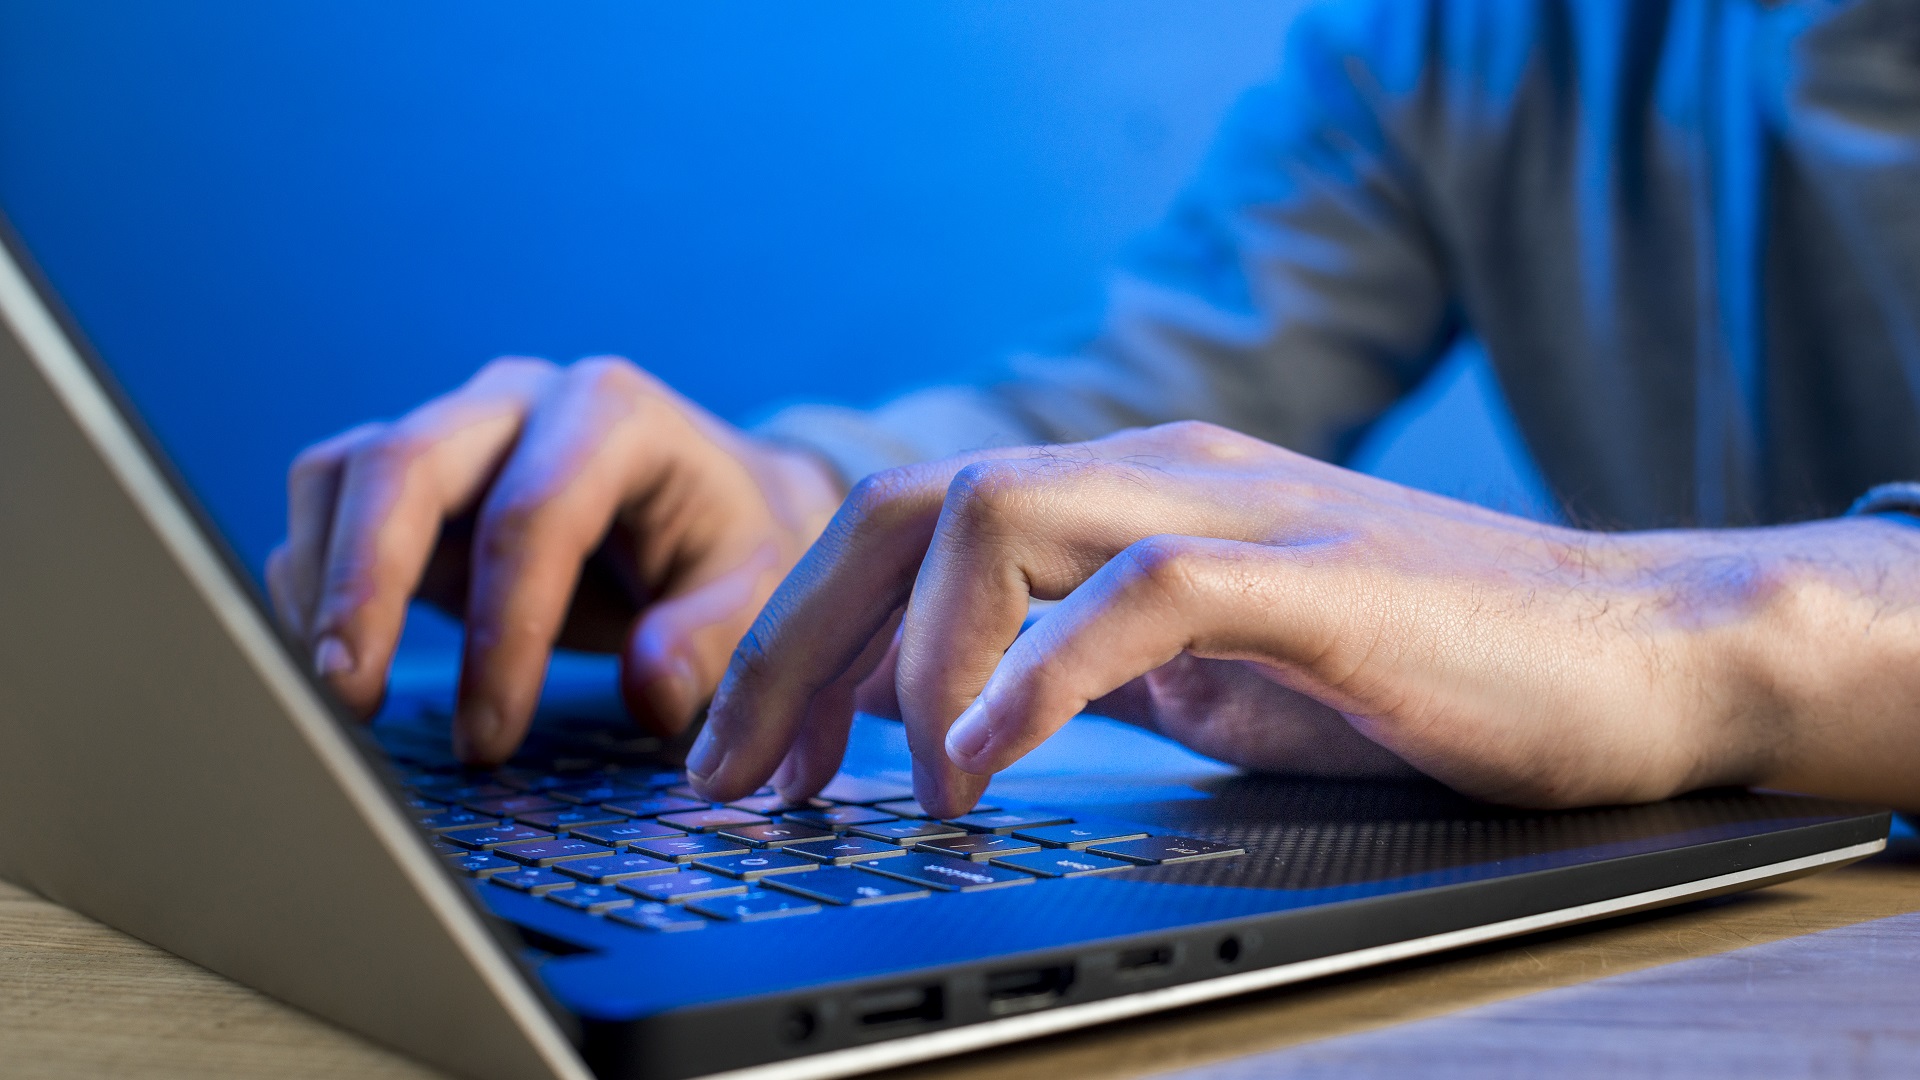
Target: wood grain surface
pixel 80 1000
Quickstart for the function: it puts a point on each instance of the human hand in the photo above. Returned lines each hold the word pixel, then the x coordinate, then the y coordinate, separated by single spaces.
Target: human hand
pixel 1513 660
pixel 587 506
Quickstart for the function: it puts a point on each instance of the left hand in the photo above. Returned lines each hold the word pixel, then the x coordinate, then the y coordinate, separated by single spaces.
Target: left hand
pixel 1512 660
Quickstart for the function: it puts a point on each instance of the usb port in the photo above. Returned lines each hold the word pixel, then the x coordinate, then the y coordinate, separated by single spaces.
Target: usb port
pixel 1028 988
pixel 903 1005
pixel 1143 960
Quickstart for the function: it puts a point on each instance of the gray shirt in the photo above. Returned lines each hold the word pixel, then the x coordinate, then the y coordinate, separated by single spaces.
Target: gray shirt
pixel 1687 232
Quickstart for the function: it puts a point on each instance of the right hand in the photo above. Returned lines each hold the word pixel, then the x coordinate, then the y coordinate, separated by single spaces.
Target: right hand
pixel 588 506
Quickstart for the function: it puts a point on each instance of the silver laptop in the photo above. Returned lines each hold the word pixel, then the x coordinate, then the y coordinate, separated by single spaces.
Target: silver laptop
pixel 167 766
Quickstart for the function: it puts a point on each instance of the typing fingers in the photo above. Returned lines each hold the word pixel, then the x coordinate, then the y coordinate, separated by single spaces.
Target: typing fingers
pixel 1160 597
pixel 394 488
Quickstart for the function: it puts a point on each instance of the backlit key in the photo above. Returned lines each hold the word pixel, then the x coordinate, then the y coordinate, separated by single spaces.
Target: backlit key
pixel 681 887
pixel 859 789
pixel 912 808
pixel 687 848
pixel 946 873
pixel 512 805
pixel 906 832
pixel 1166 849
pixel 563 820
pixel 838 817
pixel 654 805
pixel 776 834
pixel 528 879
pixel 479 863
pixel 846 850
pixel 591 792
pixel 710 820
pixel 456 819
pixel 978 847
pixel 1079 836
pixel 482 837
pixel 848 888
pixel 548 852
pixel 755 907
pixel 620 834
pixel 755 865
pixel 1006 821
pixel 611 868
pixel 663 918
pixel 593 899
pixel 1059 862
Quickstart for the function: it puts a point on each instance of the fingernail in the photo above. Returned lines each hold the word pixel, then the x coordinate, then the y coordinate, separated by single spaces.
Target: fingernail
pixel 474 730
pixel 705 757
pixel 331 658
pixel 970 733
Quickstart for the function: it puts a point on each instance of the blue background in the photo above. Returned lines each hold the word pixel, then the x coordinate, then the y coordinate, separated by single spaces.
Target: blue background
pixel 277 220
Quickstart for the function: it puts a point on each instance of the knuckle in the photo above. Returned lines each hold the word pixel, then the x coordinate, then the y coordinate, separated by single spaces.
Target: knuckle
pixel 986 494
pixel 879 497
pixel 1171 565
pixel 513 368
pixel 752 661
pixel 611 376
pixel 1203 438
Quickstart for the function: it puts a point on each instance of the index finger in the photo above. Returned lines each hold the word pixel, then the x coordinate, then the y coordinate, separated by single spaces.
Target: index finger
pixel 842 593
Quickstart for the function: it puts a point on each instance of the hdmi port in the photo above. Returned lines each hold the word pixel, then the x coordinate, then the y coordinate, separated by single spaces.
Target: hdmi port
pixel 1030 988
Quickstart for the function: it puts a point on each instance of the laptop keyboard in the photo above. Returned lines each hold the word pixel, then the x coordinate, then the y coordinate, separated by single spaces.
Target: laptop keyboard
pixel 643 850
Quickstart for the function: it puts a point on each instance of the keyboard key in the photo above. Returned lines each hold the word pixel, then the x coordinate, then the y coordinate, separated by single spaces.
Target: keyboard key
pixel 912 808
pixel 763 804
pixel 906 832
pixel 548 852
pixel 687 848
pixel 598 791
pixel 846 850
pixel 482 837
pixel 1006 821
pixel 657 916
pixel 755 865
pixel 1165 849
pixel 622 833
pixel 479 863
pixel 1060 862
pixel 420 807
pixel 528 879
pixel 686 791
pixel 681 886
pixel 593 899
pixel 441 847
pixel 839 817
pixel 755 907
pixel 611 868
pixel 858 789
pixel 1079 836
pixel 946 873
pixel 560 821
pixel 710 820
pixel 653 805
pixel 776 834
pixel 848 888
pixel 456 819
pixel 512 805
pixel 978 847
pixel 533 781
pixel 459 791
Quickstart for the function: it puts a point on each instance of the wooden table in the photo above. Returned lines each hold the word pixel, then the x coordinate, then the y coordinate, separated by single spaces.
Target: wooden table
pixel 1814 977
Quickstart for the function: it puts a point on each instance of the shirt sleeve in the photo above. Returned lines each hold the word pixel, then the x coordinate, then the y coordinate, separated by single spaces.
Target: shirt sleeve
pixel 1294 291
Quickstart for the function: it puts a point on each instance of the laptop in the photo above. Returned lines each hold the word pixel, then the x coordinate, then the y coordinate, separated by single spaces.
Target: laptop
pixel 169 767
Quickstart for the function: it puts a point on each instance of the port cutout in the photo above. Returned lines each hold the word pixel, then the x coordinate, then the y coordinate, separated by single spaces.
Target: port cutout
pixel 1027 988
pixel 1144 960
pixel 901 1005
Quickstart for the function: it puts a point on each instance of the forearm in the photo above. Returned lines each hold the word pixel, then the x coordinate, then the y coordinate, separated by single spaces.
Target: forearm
pixel 1818 669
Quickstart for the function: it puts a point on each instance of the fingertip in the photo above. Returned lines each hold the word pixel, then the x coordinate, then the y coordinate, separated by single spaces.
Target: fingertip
pixel 661 694
pixel 478 735
pixel 970 738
